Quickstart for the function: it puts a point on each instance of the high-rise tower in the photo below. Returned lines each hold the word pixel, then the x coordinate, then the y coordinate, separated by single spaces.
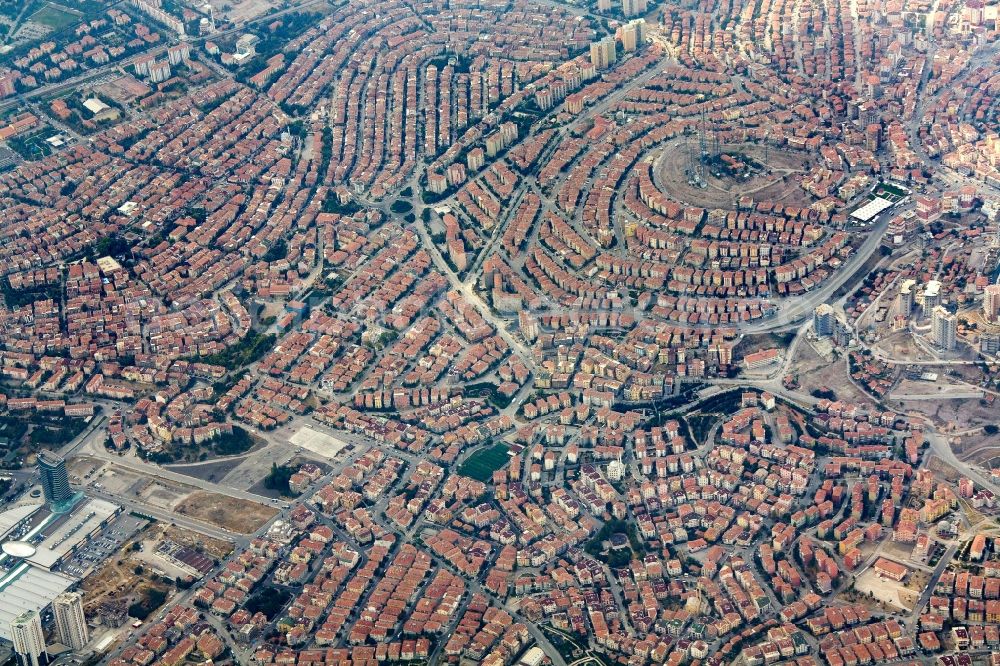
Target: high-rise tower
pixel 55 481
pixel 71 624
pixel 29 641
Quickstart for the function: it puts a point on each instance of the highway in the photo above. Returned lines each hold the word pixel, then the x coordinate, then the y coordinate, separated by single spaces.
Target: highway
pixel 170 517
pixel 794 310
pixel 942 449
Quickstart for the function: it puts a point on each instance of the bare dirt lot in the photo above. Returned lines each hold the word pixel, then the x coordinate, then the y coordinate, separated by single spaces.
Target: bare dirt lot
pixel 749 344
pixel 130 575
pixel 212 547
pixel 900 345
pixel 228 513
pixel 117 582
pixel 121 579
pixel 939 390
pixel 962 419
pixel 885 591
pixel 943 469
pixel 163 495
pixel 777 183
pixel 815 372
pixel 978 447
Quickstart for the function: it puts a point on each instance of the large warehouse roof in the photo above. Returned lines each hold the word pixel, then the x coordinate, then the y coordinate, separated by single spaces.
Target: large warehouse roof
pixel 25 588
pixel 74 529
pixel 10 519
pixel 26 584
pixel 871 209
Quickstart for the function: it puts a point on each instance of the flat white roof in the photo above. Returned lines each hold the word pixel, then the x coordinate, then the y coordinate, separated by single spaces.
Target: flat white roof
pixel 10 519
pixel 318 442
pixel 95 105
pixel 532 657
pixel 871 209
pixel 108 264
pixel 25 588
pixel 81 522
pixel 19 549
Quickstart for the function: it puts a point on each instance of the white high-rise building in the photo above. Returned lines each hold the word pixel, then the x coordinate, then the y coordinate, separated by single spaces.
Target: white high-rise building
pixel 628 38
pixel 944 328
pixel 633 7
pixel 71 624
pixel 603 53
pixel 932 297
pixel 906 297
pixel 29 641
pixel 991 303
pixel 633 34
pixel 823 320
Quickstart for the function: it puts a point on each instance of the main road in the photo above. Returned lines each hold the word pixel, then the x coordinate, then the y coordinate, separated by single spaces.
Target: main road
pixel 171 517
pixel 942 449
pixel 792 313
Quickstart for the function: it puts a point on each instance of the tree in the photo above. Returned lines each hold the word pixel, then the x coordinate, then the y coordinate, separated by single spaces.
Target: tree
pixel 276 252
pixel 152 599
pixel 278 479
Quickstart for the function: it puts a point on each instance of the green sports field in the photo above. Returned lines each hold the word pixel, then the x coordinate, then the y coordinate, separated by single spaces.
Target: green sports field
pixel 54 17
pixel 481 464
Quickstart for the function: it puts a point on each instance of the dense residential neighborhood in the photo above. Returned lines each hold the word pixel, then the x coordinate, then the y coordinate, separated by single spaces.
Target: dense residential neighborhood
pixel 504 332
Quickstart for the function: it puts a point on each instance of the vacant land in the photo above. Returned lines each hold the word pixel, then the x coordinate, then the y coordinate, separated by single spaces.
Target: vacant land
pixel 483 463
pixel 943 469
pixel 962 419
pixel 750 344
pixel 900 345
pixel 816 373
pixel 212 470
pixel 235 515
pixel 721 191
pixel 124 579
pixel 216 548
pixel 882 590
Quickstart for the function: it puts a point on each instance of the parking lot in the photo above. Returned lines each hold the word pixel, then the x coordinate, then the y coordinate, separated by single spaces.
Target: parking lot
pixel 104 546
